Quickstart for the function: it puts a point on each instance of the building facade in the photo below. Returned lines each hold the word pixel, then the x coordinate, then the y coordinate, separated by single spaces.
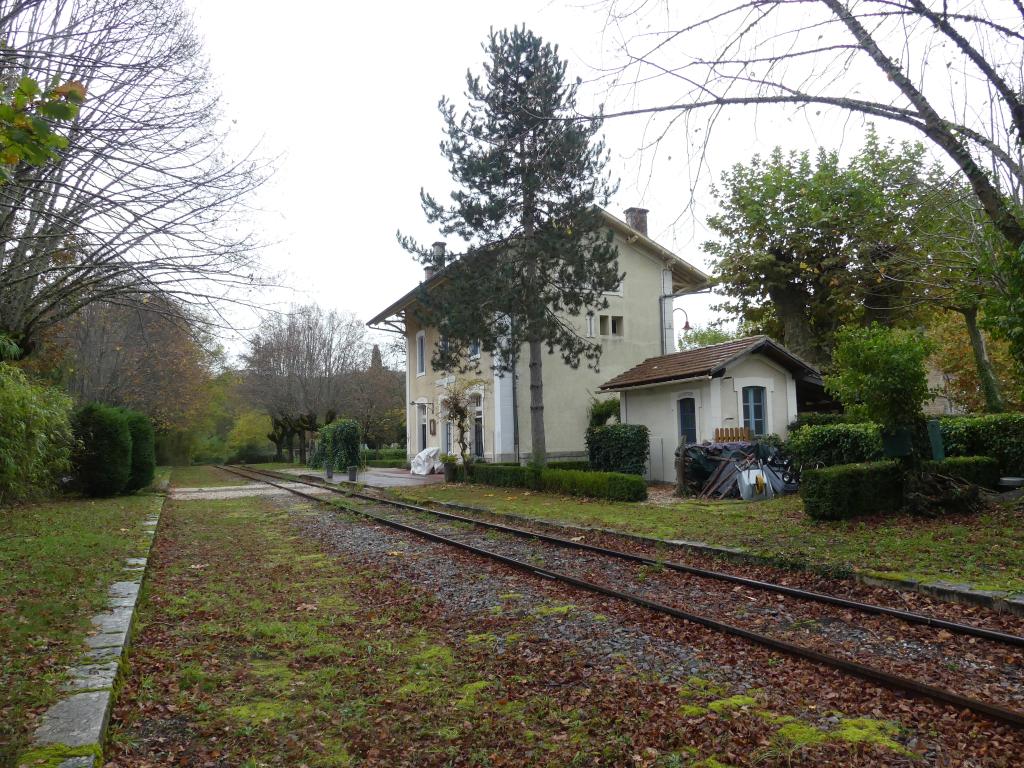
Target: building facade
pixel 637 324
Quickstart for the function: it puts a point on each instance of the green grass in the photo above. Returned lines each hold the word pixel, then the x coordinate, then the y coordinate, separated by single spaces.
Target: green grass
pixel 204 476
pixel 56 562
pixel 986 550
pixel 281 465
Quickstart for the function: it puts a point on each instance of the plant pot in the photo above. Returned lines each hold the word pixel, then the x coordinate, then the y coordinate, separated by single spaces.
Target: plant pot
pixel 352 474
pixel 450 472
pixel 328 472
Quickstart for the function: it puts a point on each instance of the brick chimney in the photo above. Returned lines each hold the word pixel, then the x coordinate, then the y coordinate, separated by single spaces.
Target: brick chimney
pixel 637 219
pixel 437 252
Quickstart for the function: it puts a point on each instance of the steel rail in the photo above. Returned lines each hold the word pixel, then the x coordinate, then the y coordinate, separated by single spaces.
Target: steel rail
pixel 885 679
pixel 908 616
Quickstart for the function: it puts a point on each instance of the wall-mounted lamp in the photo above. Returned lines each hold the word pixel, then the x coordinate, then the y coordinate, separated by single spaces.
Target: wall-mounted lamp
pixel 430 403
pixel 686 324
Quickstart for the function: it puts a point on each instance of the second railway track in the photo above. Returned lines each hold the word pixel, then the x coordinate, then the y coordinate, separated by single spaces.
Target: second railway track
pixel 966 666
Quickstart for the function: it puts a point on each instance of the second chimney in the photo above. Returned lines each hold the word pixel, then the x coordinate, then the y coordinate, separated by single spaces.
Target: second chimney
pixel 437 254
pixel 637 219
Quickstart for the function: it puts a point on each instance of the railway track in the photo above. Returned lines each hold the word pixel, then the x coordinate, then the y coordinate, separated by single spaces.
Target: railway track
pixel 458 531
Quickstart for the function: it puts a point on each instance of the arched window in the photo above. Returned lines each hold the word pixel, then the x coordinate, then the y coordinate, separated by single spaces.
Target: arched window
pixel 687 409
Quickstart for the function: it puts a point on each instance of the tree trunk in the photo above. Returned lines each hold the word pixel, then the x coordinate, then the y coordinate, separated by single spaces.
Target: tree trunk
pixel 986 375
pixel 302 447
pixel 791 309
pixel 291 447
pixel 538 447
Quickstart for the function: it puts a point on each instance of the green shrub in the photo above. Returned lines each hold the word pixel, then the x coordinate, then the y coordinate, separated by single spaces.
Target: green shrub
pixel 849 490
pixel 980 470
pixel 578 464
pixel 340 441
pixel 835 444
pixel 384 454
pixel 603 411
pixel 503 475
pixel 35 436
pixel 599 485
pixel 619 448
pixel 143 465
pixel 999 435
pixel 812 419
pixel 104 458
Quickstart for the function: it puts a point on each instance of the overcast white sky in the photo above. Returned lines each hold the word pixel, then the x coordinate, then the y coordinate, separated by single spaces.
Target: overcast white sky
pixel 345 95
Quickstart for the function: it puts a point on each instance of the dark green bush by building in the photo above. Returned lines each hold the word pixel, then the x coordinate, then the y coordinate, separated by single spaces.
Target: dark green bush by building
pixel 103 462
pixel 850 490
pixel 999 435
pixel 618 448
pixel 615 486
pixel 143 463
pixel 833 444
pixel 983 471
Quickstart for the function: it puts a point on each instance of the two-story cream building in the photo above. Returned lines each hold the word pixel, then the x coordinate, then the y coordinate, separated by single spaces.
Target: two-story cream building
pixel 637 324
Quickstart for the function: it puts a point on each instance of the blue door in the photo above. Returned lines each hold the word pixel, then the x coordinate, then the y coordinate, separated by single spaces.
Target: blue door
pixel 687 419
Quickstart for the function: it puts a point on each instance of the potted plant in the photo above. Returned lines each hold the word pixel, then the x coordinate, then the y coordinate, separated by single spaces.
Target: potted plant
pixel 450 463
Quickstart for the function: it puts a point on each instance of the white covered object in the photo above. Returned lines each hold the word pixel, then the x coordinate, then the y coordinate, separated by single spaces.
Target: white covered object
pixel 426 462
pixel 754 485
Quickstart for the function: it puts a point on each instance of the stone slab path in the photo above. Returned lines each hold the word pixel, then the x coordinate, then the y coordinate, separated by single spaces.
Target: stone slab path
pixel 75 725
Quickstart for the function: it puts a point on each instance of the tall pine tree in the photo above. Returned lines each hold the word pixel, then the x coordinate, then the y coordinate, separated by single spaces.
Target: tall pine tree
pixel 530 178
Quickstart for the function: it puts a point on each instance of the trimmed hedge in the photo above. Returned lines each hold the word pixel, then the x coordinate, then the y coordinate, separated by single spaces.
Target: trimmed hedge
pixel 812 419
pixel 615 486
pixel 619 448
pixel 383 454
pixel 849 490
pixel 999 435
pixel 834 444
pixel 578 464
pixel 980 470
pixel 104 461
pixel 143 464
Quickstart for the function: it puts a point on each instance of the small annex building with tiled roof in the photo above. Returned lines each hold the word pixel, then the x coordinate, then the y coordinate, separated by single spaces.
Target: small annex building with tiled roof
pixel 752 385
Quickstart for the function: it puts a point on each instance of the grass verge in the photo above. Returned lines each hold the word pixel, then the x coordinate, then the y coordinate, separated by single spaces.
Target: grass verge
pixel 986 550
pixel 56 562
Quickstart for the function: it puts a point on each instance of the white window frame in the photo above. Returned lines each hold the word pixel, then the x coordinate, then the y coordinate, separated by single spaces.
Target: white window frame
pixel 474 355
pixel 421 353
pixel 590 326
pixel 769 392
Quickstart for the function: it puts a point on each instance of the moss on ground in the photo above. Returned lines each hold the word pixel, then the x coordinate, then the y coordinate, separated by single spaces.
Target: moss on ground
pixel 986 550
pixel 52 755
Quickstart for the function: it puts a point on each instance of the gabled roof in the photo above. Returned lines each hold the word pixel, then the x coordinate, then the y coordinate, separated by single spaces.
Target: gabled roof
pixel 683 273
pixel 709 361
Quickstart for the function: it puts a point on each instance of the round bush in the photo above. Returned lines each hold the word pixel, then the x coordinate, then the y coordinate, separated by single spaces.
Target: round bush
pixel 35 436
pixel 143 466
pixel 104 460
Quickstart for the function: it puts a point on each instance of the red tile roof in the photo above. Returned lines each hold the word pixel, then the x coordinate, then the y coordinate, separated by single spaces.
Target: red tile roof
pixel 704 361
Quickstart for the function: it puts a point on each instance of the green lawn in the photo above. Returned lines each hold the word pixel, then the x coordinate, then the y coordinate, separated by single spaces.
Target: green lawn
pixel 986 551
pixel 56 562
pixel 204 476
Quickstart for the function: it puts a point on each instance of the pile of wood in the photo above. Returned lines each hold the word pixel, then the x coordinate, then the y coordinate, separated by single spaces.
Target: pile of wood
pixel 715 470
